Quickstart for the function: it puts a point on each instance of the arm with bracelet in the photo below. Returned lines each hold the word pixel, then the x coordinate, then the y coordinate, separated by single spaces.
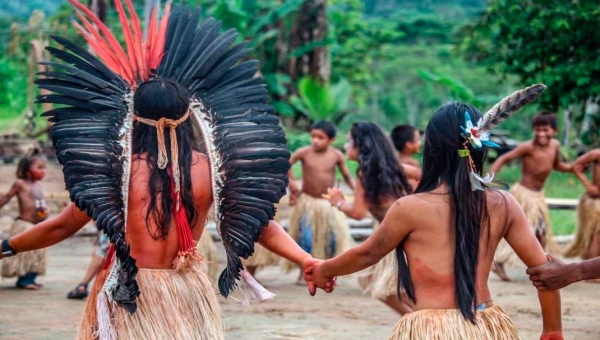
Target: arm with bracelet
pixel 356 210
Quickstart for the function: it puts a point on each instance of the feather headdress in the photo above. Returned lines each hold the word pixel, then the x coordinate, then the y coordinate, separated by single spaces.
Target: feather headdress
pixel 245 145
pixel 478 135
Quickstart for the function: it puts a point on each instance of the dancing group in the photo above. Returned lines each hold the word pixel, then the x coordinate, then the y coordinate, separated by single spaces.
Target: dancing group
pixel 151 137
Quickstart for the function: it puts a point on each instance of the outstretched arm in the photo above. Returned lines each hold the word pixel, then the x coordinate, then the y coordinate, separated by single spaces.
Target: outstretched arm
pixel 16 187
pixel 50 232
pixel 276 240
pixel 385 239
pixel 344 170
pixel 517 152
pixel 523 241
pixel 556 274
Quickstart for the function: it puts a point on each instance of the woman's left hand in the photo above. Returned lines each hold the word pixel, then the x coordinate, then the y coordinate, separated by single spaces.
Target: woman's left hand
pixel 335 196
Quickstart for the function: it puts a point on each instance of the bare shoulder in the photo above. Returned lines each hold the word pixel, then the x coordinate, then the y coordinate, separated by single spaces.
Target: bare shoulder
pixel 19 185
pixel 338 154
pixel 525 147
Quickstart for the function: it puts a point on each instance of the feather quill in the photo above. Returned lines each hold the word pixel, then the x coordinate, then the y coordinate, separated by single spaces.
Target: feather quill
pixel 509 106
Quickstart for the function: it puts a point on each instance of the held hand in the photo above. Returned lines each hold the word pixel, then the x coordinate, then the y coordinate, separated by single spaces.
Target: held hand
pixel 553 275
pixel 308 271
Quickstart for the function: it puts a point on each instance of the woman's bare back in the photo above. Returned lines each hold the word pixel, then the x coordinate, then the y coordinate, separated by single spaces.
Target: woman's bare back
pixel 430 247
pixel 150 252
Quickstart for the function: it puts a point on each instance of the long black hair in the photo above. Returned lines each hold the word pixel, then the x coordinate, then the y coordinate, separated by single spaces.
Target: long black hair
pixel 443 165
pixel 379 170
pixel 155 99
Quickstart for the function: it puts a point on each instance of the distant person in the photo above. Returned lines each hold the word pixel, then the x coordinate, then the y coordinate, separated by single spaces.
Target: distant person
pixel 32 210
pixel 407 141
pixel 380 182
pixel 587 240
pixel 539 157
pixel 319 228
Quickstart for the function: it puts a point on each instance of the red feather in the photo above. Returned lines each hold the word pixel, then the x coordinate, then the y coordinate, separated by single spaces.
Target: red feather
pixel 137 39
pixel 108 55
pixel 100 50
pixel 161 36
pixel 150 37
pixel 142 57
pixel 110 38
pixel 128 38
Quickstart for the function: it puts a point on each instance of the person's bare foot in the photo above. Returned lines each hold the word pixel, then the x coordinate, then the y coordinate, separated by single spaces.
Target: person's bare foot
pixel 498 269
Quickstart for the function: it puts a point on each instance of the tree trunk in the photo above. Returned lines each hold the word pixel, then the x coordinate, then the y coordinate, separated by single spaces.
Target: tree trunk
pixel 310 27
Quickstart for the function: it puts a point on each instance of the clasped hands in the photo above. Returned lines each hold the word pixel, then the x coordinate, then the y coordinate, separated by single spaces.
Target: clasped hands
pixel 315 278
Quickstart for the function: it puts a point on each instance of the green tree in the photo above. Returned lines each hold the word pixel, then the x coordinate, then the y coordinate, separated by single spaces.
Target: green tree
pixel 551 42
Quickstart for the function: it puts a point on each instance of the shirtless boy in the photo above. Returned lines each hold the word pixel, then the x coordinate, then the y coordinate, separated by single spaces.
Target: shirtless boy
pixel 407 141
pixel 539 157
pixel 319 228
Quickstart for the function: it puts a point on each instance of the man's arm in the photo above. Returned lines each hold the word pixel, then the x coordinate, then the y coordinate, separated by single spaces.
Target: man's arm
pixel 344 170
pixel 517 152
pixel 50 232
pixel 16 187
pixel 556 274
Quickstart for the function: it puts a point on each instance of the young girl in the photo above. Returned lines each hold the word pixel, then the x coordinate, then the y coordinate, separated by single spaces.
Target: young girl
pixel 32 210
pixel 381 181
pixel 445 236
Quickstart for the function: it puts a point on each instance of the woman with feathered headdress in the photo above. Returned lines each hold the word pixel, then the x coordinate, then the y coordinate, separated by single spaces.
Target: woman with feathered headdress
pixel 445 234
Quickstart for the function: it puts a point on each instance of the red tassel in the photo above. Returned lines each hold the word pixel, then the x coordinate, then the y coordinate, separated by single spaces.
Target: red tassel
pixel 187 246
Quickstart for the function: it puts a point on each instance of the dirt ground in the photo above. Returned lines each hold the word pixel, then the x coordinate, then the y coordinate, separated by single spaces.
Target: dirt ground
pixel 293 314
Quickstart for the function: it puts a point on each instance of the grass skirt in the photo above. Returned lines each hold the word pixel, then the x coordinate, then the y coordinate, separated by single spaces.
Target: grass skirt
pixel 381 280
pixel 172 305
pixel 448 324
pixel 25 262
pixel 328 227
pixel 588 215
pixel 208 249
pixel 535 207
